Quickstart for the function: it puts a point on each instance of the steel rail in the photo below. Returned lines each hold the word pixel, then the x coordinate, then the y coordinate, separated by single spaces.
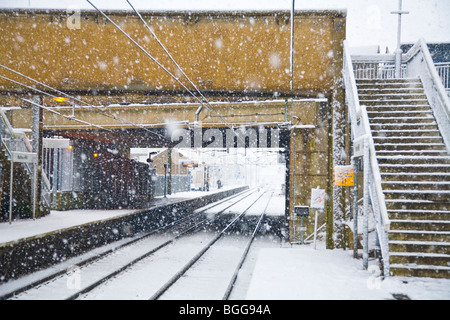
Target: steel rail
pixel 191 262
pixel 167 228
pixel 246 251
pixel 189 230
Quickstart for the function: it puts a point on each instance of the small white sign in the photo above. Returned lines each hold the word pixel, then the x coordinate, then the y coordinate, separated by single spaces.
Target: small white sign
pixel 24 157
pixel 318 198
pixel 358 146
pixel 51 143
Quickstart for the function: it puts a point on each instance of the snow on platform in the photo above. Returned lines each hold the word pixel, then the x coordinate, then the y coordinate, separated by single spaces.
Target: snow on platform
pixel 302 273
pixel 61 220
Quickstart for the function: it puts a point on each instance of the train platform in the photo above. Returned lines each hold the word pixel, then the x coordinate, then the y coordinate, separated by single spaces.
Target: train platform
pixel 300 272
pixel 30 245
pixel 57 221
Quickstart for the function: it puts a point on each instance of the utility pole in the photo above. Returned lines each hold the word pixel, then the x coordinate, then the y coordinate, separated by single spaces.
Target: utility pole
pixel 169 167
pixel 398 51
pixel 37 129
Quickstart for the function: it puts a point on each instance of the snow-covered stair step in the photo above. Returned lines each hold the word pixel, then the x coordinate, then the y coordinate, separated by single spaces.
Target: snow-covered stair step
pixel 415 270
pixel 420 258
pixel 414 204
pixel 430 195
pixel 393 90
pixel 415 214
pixel 419 168
pixel 420 246
pixel 406 133
pixel 400 159
pixel 392 96
pixel 409 146
pixel 403 120
pixel 406 139
pixel 441 152
pixel 419 235
pixel 416 185
pixel 415 176
pixel 403 126
pixel 395 113
pixel 386 83
pixel 398 107
pixel 379 102
pixel 423 225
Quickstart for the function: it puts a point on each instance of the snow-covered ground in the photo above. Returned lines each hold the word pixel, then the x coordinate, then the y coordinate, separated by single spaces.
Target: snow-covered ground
pixel 302 273
pixel 60 220
pixel 273 271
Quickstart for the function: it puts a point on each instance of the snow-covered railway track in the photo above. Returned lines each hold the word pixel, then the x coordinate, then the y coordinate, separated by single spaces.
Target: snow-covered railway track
pixel 93 271
pixel 215 266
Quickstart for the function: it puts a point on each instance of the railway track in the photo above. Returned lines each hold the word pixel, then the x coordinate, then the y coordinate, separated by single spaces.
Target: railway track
pixel 106 265
pixel 197 267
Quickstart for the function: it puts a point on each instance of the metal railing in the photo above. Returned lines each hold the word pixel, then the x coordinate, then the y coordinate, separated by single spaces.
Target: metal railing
pixel 380 66
pixel 419 64
pixel 360 126
pixel 16 140
pixel 443 70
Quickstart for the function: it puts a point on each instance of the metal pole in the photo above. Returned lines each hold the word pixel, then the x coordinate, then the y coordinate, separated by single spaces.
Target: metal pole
pixel 165 180
pixel 355 210
pixel 36 143
pixel 11 178
pixel 34 189
pixel 398 51
pixel 366 206
pixel 315 229
pixel 292 45
pixel 301 231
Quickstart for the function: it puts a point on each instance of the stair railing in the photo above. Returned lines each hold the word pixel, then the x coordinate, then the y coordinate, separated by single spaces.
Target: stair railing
pixel 16 140
pixel 419 63
pixel 443 69
pixel 360 126
pixel 378 66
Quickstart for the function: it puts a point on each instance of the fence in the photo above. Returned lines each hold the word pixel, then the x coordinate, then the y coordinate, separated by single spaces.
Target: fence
pixel 179 183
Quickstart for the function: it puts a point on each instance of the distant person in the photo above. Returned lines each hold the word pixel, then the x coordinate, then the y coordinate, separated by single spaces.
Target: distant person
pixel 219 184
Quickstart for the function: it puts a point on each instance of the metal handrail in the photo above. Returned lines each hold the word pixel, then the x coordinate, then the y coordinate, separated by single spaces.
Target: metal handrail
pixel 361 127
pixel 25 146
pixel 420 64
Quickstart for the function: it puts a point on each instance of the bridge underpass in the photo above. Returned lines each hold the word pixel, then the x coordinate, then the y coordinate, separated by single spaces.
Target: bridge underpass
pixel 304 114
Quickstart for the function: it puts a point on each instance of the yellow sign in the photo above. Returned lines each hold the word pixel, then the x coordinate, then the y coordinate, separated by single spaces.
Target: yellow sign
pixel 344 176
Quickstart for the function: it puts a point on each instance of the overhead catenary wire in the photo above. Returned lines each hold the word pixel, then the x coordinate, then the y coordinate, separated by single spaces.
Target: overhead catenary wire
pixel 61 115
pixel 209 107
pixel 98 109
pixel 48 109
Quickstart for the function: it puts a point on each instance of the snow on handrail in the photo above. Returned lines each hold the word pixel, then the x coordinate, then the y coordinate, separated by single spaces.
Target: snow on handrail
pixel 361 127
pixel 420 64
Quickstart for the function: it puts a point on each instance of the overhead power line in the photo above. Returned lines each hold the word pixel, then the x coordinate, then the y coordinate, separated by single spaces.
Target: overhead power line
pixel 208 105
pixel 46 108
pixel 98 109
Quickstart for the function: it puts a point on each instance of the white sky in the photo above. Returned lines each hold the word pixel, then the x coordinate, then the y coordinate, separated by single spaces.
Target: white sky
pixel 369 22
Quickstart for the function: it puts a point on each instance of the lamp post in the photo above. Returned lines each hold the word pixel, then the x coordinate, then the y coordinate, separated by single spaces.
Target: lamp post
pixel 398 51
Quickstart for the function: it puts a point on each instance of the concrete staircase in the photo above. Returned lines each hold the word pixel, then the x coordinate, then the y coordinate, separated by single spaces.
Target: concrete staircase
pixel 415 171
